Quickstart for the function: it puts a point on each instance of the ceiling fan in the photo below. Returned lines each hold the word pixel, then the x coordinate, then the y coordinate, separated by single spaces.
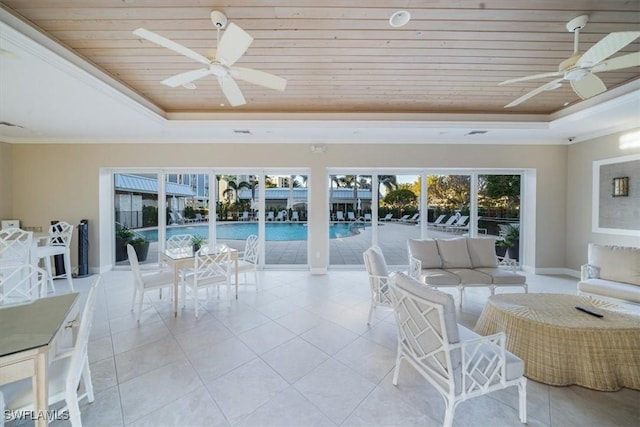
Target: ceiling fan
pixel 230 47
pixel 580 69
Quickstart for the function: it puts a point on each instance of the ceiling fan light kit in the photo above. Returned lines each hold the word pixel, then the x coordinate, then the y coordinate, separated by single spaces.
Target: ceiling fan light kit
pixel 580 69
pixel 229 49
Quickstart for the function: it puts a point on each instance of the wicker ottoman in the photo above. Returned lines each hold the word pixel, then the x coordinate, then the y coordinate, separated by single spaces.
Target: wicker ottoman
pixel 561 345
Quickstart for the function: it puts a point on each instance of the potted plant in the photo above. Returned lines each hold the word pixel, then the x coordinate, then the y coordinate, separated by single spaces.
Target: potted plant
pixel 123 237
pixel 141 246
pixel 511 241
pixel 197 242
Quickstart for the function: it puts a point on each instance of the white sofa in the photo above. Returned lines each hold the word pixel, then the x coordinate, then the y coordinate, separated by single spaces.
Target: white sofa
pixel 612 272
pixel 460 263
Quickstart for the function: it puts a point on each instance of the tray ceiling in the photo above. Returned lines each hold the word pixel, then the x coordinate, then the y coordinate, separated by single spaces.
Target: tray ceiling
pixel 344 57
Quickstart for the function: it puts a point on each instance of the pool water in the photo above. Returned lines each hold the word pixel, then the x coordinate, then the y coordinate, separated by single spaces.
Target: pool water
pixel 242 230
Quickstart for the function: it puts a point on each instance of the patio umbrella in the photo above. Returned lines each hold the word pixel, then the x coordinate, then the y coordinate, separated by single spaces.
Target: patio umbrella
pixel 359 206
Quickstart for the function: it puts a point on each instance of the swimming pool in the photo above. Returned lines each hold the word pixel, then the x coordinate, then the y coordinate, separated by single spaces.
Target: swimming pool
pixel 241 230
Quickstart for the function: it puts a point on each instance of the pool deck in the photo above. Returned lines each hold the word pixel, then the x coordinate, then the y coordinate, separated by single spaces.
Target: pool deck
pixel 392 238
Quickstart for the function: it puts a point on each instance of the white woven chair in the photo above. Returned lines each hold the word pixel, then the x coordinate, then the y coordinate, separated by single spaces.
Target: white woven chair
pixel 57 243
pixel 67 369
pixel 249 259
pixel 378 272
pixel 457 362
pixel 146 282
pixel 15 246
pixel 21 282
pixel 212 268
pixel 179 241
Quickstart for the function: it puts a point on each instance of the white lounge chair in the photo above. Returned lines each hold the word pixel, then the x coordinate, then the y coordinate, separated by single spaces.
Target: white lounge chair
pixel 367 217
pixel 270 216
pixel 340 216
pixel 438 220
pixel 449 222
pixel 351 216
pixel 388 217
pixel 282 216
pixel 294 216
pixel 460 224
pixel 245 216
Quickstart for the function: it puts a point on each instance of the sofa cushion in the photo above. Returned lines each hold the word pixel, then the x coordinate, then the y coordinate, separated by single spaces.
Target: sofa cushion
pixel 426 251
pixel 482 252
pixel 617 263
pixel 454 253
pixel 611 289
pixel 470 277
pixel 500 276
pixel 438 277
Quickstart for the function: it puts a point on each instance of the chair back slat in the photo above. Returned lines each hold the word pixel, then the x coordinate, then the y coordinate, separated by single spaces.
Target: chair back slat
pixel 60 234
pixel 251 252
pixel 21 282
pixel 15 246
pixel 179 241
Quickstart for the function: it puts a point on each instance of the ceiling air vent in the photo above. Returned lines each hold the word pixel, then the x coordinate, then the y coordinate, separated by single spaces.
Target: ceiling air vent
pixel 477 132
pixel 242 131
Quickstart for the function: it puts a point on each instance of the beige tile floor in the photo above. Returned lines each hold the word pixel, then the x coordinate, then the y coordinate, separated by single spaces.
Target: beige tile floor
pixel 297 353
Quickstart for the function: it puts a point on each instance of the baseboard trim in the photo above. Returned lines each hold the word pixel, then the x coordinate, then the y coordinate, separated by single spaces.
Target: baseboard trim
pixel 558 271
pixel 318 271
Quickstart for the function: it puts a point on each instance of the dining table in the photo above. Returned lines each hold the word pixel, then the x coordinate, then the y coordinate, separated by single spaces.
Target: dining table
pixel 29 333
pixel 183 258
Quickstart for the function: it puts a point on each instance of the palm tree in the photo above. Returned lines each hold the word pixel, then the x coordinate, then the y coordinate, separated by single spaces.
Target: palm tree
pixel 389 182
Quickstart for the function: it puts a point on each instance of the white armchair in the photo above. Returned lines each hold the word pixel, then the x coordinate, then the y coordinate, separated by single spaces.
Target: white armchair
pixel 378 272
pixel 456 361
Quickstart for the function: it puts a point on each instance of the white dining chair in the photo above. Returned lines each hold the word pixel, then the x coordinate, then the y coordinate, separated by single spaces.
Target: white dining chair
pixel 212 268
pixel 58 242
pixel 248 259
pixel 146 282
pixel 21 282
pixel 179 241
pixel 68 370
pixel 15 246
pixel 378 273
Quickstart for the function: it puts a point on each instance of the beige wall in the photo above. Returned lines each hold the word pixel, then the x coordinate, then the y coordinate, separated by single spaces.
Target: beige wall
pixel 579 201
pixel 6 183
pixel 61 181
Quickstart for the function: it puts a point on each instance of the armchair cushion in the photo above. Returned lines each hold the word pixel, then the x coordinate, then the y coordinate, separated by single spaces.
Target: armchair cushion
pixel 426 251
pixel 420 290
pixel 438 277
pixel 377 263
pixel 514 365
pixel 454 253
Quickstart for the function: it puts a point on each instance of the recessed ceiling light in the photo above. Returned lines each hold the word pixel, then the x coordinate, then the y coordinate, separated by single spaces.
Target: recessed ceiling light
pixel 190 86
pixel 565 104
pixel 222 105
pixel 399 18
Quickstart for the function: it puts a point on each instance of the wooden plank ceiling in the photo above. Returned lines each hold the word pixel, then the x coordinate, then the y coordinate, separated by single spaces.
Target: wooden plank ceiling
pixel 343 56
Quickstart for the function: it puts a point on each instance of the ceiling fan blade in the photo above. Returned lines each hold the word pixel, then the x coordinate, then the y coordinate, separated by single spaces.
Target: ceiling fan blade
pixel 171 45
pixel 590 85
pixel 624 61
pixel 606 47
pixel 547 86
pixel 233 44
pixel 532 77
pixel 182 78
pixel 231 91
pixel 259 78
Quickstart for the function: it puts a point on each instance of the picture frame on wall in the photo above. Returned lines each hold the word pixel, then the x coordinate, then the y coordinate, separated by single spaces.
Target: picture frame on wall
pixel 616 196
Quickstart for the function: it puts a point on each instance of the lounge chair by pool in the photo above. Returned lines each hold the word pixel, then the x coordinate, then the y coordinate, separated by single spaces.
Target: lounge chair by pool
pixel 340 216
pixel 388 217
pixel 351 216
